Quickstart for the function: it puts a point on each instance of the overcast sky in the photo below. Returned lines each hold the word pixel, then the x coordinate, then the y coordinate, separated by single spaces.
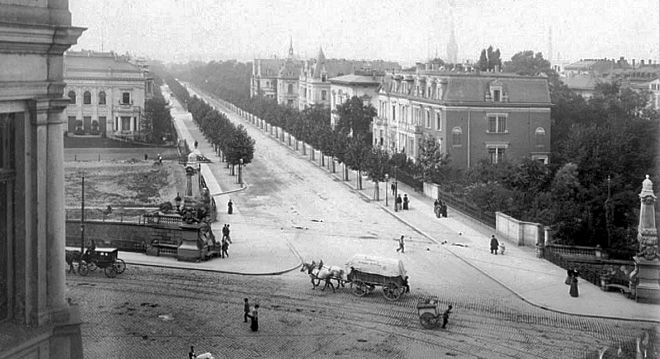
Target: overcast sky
pixel 406 31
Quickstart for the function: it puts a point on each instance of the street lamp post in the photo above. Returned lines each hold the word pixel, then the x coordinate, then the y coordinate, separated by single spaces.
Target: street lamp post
pixel 396 191
pixel 82 217
pixel 240 172
pixel 387 189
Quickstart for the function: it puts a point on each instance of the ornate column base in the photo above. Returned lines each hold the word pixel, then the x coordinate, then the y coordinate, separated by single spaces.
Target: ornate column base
pixel 648 285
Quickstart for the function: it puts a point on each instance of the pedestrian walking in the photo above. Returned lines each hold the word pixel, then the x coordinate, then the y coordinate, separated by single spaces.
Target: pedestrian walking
pixel 254 318
pixel 443 209
pixel 445 316
pixel 191 353
pixel 146 156
pixel 160 159
pixel 573 291
pixel 246 310
pixel 502 248
pixel 406 201
pixel 230 207
pixel 401 244
pixel 225 233
pixel 225 248
pixel 393 187
pixel 493 245
pixel 398 202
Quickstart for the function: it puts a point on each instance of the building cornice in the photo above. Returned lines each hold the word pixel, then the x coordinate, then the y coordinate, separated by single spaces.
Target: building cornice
pixel 37 39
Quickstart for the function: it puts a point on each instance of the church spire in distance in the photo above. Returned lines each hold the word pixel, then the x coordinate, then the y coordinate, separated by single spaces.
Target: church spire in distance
pixel 452 47
pixel 290 47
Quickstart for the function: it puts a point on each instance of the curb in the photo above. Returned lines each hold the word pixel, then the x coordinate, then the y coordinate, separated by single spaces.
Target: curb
pixel 216 270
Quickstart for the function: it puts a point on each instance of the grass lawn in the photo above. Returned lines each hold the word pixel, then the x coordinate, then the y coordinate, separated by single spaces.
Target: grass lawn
pixel 122 184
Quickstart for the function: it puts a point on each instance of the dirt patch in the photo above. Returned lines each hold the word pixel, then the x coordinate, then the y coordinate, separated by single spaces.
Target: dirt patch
pixel 122 183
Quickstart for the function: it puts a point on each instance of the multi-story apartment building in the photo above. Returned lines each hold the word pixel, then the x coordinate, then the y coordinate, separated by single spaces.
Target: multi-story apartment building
pixel 36 320
pixel 315 74
pixel 107 94
pixel 287 83
pixel 473 116
pixel 360 84
pixel 264 77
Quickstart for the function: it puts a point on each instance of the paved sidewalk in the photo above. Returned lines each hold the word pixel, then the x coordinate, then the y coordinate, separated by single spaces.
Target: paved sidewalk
pixel 534 280
pixel 250 253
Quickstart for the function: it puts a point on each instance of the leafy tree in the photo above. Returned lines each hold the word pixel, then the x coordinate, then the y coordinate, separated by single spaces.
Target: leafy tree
pixel 240 146
pixel 357 156
pixel 377 165
pixel 355 118
pixel 528 63
pixel 431 159
pixel 489 59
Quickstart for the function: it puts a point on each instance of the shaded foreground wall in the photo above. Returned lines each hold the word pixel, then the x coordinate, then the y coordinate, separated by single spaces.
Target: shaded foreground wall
pixel 124 236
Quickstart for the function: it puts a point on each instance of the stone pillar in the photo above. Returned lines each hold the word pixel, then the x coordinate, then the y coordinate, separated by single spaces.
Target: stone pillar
pixel 55 231
pixel 647 262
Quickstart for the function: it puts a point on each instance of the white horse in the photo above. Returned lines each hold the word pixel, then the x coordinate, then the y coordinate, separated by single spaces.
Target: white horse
pixel 335 272
pixel 317 275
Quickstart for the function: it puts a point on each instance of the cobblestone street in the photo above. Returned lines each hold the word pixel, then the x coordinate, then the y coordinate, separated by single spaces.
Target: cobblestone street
pixel 159 313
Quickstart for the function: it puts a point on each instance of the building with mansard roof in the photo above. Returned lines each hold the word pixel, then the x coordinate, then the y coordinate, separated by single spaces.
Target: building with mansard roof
pixel 361 84
pixel 314 78
pixel 473 116
pixel 107 94
pixel 36 319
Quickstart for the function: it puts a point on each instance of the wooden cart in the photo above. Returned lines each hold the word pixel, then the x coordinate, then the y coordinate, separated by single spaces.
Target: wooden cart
pixel 365 273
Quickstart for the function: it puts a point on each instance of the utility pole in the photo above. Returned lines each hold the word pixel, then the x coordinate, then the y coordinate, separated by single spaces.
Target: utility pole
pixel 82 217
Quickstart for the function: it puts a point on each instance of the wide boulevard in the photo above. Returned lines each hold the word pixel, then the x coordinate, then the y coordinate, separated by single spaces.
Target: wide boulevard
pixel 152 312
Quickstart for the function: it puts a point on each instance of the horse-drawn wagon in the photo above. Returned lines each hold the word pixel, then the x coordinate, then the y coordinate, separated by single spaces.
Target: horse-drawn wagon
pixel 105 258
pixel 368 272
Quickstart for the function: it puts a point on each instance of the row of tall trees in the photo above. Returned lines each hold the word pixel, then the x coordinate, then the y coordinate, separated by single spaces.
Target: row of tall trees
pixel 157 122
pixel 234 142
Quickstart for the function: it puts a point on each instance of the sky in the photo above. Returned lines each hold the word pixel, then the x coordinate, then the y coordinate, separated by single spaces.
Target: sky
pixel 404 31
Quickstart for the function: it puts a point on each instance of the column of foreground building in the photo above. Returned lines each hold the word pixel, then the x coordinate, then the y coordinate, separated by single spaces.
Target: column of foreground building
pixel 36 321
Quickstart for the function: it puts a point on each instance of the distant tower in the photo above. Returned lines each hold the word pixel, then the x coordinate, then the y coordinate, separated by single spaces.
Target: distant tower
pixel 452 48
pixel 290 47
pixel 549 55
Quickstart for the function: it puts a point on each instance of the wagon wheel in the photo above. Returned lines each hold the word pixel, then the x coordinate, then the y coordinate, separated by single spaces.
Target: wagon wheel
pixel 91 266
pixel 392 291
pixel 110 271
pixel 120 266
pixel 428 320
pixel 83 269
pixel 359 289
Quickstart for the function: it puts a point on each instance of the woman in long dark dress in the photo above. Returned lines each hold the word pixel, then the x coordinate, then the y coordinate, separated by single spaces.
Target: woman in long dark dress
pixel 574 285
pixel 254 319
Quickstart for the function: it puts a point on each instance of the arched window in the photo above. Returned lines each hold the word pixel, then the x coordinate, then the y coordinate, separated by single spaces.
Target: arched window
pixel 87 98
pixel 102 98
pixel 72 96
pixel 539 134
pixel 456 134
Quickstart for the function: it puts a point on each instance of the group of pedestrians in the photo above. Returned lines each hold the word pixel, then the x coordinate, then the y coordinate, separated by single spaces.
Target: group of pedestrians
pixel 440 208
pixel 496 246
pixel 251 313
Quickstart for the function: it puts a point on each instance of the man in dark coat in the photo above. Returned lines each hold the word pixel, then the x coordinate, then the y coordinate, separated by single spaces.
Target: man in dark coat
pixel 445 316
pixel 493 245
pixel 398 202
pixel 405 201
pixel 246 310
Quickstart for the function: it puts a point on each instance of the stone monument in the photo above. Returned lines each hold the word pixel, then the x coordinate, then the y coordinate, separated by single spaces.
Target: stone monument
pixel 646 275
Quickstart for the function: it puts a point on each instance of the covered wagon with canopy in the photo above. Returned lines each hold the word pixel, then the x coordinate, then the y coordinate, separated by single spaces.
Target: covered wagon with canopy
pixel 366 272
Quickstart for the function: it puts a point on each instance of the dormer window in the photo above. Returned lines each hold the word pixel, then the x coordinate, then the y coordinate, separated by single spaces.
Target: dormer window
pixel 324 77
pixel 495 92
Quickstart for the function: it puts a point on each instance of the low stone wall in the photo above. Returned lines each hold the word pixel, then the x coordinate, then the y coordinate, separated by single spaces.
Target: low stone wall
pixel 431 190
pixel 520 232
pixel 124 236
